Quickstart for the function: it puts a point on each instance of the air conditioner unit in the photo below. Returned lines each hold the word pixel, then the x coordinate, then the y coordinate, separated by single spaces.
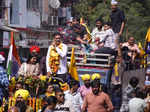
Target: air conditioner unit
pixel 3 22
pixel 53 20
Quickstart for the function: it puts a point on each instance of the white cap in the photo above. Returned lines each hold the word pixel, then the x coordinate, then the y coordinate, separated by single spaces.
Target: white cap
pixel 148 69
pixel 2 59
pixel 114 2
pixel 70 19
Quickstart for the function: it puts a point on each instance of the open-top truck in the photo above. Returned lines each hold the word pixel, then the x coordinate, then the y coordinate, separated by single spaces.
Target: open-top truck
pixel 89 63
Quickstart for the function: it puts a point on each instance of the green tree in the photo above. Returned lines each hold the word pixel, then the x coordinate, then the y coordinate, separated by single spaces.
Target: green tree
pixel 136 12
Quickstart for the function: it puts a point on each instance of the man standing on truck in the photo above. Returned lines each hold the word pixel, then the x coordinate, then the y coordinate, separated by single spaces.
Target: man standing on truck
pixel 117 19
pixel 56 60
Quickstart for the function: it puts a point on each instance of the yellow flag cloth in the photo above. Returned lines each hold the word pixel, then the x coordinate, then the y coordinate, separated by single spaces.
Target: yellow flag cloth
pixel 142 52
pixel 72 67
pixel 148 36
pixel 86 27
pixel 116 70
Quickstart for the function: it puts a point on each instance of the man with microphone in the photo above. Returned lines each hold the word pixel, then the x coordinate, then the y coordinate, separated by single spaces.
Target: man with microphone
pixel 56 59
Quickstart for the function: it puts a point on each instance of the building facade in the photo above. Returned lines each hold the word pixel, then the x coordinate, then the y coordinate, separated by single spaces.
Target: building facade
pixel 34 19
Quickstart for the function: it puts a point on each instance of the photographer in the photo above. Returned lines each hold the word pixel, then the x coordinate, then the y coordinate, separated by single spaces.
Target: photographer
pixel 130 51
pixel 133 48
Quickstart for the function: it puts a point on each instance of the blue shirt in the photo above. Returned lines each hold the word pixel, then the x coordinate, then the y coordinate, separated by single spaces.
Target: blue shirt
pixel 4 82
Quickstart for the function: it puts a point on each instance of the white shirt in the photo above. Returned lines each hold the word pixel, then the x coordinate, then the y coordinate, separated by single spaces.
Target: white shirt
pixel 63 59
pixel 76 100
pixel 137 105
pixel 110 39
pixel 134 47
pixel 98 34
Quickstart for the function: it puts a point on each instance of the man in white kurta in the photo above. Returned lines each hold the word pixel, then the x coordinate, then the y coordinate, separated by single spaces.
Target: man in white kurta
pixel 61 50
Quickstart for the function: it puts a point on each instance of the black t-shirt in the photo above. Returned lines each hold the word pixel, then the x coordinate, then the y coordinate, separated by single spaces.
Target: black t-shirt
pixel 117 17
pixel 81 33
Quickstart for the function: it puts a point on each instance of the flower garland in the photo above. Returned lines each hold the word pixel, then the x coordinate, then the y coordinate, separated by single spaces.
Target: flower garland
pixel 54 60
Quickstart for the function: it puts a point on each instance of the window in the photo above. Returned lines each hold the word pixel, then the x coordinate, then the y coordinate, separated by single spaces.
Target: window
pixel 33 4
pixel 2 8
pixel 14 12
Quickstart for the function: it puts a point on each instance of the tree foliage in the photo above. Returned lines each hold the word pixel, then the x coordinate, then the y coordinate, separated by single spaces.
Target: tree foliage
pixel 136 12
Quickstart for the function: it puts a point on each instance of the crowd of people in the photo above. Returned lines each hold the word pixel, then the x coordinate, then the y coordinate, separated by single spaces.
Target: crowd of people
pixel 43 84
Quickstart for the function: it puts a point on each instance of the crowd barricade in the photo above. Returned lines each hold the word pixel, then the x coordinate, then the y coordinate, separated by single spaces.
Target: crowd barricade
pixel 35 103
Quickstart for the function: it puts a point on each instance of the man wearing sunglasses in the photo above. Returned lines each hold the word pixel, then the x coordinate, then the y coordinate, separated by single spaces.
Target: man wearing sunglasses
pixel 63 105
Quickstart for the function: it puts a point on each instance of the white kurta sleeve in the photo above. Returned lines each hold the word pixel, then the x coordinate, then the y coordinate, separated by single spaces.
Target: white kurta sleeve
pixel 47 60
pixel 22 70
pixel 80 100
pixel 93 35
pixel 63 52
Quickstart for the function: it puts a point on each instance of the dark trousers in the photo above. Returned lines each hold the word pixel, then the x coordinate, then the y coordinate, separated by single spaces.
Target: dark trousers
pixel 65 77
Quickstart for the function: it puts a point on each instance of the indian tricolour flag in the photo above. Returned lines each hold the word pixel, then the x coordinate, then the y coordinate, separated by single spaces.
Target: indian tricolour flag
pixel 13 61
